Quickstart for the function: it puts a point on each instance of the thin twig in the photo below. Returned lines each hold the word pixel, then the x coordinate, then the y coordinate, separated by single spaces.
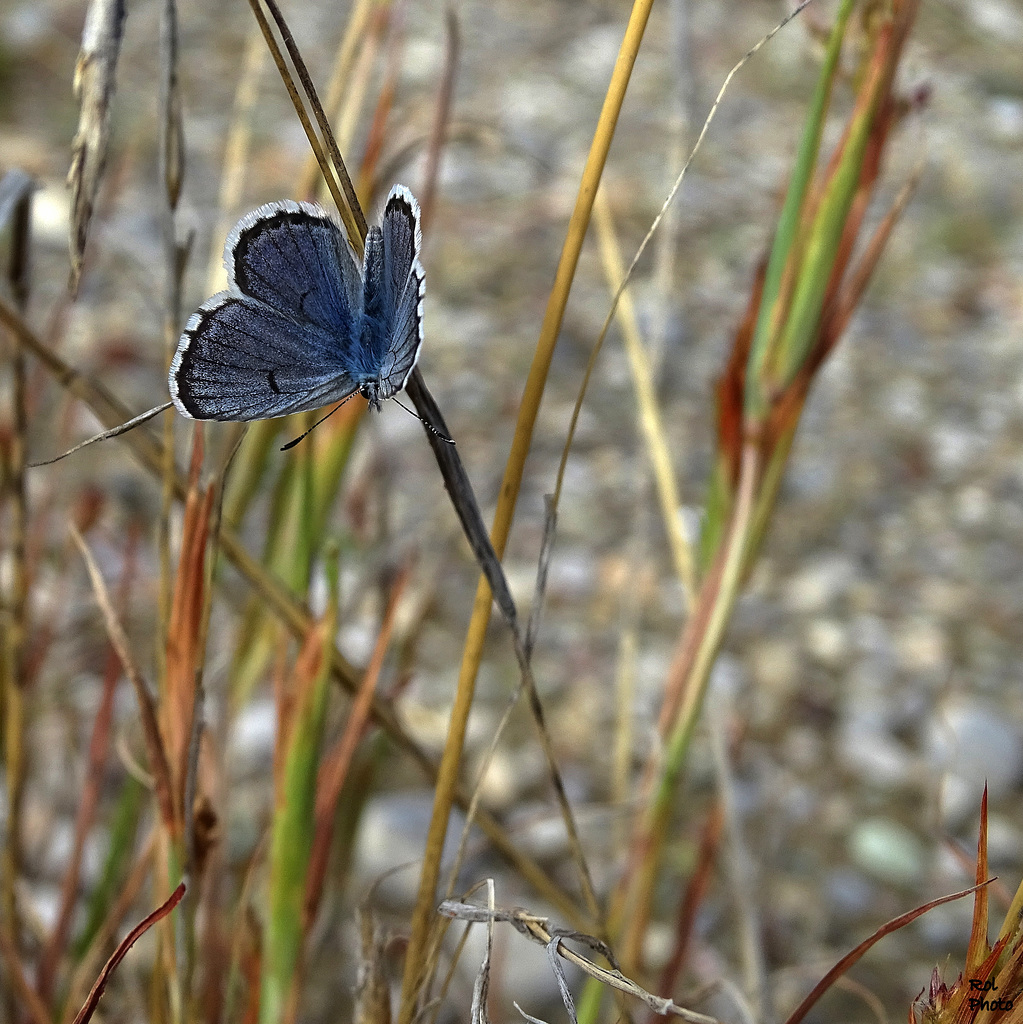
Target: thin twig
pixel 359 19
pixel 158 764
pixel 441 117
pixel 538 930
pixel 350 211
pixel 121 428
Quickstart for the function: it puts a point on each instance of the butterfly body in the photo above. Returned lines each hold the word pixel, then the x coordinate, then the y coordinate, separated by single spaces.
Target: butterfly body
pixel 301 325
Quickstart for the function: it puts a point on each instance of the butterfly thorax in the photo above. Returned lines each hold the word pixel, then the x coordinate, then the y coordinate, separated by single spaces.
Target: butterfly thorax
pixel 373 325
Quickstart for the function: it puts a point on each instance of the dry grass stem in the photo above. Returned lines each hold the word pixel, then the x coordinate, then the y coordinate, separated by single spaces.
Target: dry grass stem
pixel 538 930
pixel 95 77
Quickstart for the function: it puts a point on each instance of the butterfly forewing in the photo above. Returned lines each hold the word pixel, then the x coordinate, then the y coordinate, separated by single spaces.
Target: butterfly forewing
pixel 404 284
pixel 296 258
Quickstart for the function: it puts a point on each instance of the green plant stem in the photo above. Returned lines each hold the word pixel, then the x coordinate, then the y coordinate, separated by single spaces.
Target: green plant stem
pixel 773 310
pixel 293 827
pixel 719 593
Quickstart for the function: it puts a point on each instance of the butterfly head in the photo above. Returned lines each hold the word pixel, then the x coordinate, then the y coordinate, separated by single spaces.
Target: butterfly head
pixel 371 392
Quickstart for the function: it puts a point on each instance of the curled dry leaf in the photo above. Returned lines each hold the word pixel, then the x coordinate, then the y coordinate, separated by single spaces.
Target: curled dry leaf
pixel 94 89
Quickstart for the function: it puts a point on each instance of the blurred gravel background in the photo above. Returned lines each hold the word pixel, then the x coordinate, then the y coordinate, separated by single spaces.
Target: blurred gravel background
pixel 872 676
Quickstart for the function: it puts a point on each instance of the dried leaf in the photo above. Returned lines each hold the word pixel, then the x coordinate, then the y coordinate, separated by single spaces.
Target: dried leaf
pixel 372 992
pixel 94 89
pixel 86 1012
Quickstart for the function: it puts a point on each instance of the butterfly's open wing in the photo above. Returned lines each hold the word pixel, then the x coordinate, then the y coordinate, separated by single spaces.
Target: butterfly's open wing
pixel 239 359
pixel 296 258
pixel 404 285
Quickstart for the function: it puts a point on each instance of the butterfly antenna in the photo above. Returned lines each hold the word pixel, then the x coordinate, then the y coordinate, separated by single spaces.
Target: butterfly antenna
pixel 302 437
pixel 426 423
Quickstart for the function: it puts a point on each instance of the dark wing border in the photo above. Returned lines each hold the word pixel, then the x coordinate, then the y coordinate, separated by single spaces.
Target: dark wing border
pixel 272 224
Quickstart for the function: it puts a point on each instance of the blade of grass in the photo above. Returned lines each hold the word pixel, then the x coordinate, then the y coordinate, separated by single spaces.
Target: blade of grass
pixel 338 760
pixel 978 947
pixel 651 423
pixel 294 822
pixel 16 215
pixel 158 762
pixel 836 318
pixel 85 814
pixel 89 1008
pixel 113 913
pixel 856 954
pixel 412 980
pixel 808 297
pixel 110 411
pixel 771 308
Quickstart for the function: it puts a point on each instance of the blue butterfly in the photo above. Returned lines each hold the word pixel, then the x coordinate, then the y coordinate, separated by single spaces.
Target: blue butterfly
pixel 300 326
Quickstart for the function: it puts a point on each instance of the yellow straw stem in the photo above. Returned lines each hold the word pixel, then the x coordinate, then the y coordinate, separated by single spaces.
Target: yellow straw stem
pixel 650 421
pixel 447 779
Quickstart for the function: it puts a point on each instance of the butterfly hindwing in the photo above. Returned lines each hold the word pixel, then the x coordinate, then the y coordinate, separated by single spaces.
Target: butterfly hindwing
pixel 239 359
